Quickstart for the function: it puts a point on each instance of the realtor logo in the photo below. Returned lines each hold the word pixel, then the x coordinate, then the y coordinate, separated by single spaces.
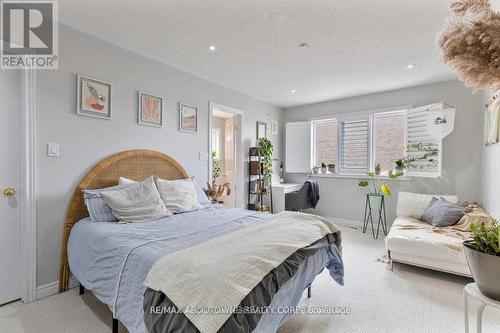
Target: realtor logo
pixel 29 35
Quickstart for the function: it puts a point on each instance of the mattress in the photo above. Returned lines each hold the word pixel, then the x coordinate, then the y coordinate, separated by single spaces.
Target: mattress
pixel 112 260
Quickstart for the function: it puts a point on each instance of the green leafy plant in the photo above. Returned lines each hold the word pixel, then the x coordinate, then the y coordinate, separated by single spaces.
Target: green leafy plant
pixel 485 238
pixel 266 152
pixel 378 187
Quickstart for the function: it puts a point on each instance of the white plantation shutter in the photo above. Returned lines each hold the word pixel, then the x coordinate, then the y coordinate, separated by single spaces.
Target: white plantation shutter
pixel 298 147
pixel 423 150
pixel 354 145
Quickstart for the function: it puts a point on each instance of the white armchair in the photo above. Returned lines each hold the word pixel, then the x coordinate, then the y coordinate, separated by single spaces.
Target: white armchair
pixel 412 242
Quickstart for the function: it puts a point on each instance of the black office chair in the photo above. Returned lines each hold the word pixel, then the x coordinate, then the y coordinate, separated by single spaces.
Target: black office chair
pixel 298 200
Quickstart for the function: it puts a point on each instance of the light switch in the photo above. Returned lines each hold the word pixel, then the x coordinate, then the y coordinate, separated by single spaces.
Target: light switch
pixel 53 149
pixel 203 156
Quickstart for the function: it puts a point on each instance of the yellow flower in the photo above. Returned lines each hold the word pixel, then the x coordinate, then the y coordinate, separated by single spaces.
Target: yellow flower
pixel 386 189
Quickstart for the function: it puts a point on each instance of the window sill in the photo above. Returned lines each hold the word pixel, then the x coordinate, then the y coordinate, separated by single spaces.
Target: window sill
pixel 361 176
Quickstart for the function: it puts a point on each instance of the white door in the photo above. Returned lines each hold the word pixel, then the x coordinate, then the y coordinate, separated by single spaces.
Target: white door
pixel 10 227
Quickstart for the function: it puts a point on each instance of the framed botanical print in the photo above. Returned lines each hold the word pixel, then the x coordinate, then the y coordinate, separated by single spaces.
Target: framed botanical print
pixel 188 118
pixel 261 130
pixel 150 110
pixel 93 98
pixel 274 127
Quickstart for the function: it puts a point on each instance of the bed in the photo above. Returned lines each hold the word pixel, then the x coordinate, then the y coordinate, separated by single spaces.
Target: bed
pixel 113 260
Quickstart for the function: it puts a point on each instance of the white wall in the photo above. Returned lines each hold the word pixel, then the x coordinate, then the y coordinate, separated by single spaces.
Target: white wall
pixel 490 172
pixel 84 140
pixel 342 198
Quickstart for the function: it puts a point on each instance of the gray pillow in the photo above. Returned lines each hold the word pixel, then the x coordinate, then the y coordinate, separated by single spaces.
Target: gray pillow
pixel 427 216
pixel 445 214
pixel 137 203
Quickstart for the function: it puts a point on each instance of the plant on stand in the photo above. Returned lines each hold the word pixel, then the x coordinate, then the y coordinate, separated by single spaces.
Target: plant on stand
pixel 482 251
pixel 214 191
pixel 378 188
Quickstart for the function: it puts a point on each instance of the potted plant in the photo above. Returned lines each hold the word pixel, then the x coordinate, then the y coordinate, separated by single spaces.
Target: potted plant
pixel 378 169
pixel 331 168
pixel 401 165
pixel 482 251
pixel 378 188
pixel 324 170
pixel 266 153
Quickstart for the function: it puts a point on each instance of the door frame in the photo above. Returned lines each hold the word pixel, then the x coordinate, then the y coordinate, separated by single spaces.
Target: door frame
pixel 239 197
pixel 28 184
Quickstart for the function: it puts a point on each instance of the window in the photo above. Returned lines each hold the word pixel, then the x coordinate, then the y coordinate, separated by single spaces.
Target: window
pixel 357 143
pixel 354 153
pixel 326 142
pixel 389 139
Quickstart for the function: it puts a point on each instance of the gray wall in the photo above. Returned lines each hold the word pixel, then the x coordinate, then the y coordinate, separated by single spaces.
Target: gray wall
pixel 342 198
pixel 84 140
pixel 490 175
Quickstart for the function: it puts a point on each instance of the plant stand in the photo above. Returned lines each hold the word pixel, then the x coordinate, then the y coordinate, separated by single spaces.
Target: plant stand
pixel 375 203
pixel 471 290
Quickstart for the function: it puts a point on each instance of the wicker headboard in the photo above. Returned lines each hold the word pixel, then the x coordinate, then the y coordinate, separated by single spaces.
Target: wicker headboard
pixel 133 164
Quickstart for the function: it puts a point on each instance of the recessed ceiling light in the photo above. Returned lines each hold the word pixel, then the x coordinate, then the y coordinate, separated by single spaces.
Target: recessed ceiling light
pixel 293 91
pixel 411 66
pixel 277 18
pixel 212 48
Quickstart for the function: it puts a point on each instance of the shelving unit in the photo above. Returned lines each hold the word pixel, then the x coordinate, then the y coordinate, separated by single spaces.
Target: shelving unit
pixel 256 181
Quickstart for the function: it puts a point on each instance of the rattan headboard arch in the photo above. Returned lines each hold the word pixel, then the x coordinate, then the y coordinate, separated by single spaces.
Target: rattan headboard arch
pixel 132 164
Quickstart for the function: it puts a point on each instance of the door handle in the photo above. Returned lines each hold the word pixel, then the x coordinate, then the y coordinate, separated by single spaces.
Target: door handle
pixel 9 192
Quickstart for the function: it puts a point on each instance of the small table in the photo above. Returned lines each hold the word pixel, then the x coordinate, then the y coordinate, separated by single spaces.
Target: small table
pixel 473 291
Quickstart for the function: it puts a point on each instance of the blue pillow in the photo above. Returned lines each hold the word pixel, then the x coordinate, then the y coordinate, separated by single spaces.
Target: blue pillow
pixel 98 210
pixel 200 194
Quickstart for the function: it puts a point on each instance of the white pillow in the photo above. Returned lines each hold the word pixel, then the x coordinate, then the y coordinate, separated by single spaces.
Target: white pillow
pixel 137 203
pixel 178 195
pixel 414 204
pixel 123 180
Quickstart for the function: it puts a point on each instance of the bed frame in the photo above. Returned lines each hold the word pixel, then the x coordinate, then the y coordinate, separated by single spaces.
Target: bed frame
pixel 133 164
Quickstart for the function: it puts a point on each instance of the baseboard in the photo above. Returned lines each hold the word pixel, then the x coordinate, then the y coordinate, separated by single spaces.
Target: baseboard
pixel 52 288
pixel 355 224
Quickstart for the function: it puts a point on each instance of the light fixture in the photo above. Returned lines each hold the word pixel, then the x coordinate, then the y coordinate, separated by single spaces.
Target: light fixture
pixel 411 66
pixel 293 91
pixel 277 18
pixel 212 48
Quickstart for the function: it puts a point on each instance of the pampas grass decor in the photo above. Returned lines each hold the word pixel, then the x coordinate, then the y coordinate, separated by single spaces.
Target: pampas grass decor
pixel 470 43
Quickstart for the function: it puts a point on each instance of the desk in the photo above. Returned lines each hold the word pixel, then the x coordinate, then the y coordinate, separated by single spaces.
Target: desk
pixel 279 191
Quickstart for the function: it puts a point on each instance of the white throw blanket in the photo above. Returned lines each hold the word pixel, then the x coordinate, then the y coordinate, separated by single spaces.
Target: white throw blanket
pixel 222 272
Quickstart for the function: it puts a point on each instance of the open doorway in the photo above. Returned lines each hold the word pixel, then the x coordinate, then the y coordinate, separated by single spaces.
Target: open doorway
pixel 225 145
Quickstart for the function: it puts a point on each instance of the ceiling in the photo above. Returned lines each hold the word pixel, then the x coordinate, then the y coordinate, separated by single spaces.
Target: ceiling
pixel 355 47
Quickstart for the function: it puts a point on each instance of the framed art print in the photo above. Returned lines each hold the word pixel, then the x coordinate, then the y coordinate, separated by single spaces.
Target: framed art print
pixel 261 130
pixel 93 98
pixel 150 110
pixel 188 118
pixel 274 127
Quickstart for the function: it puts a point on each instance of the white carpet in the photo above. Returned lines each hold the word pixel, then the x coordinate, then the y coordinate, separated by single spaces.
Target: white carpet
pixel 407 300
